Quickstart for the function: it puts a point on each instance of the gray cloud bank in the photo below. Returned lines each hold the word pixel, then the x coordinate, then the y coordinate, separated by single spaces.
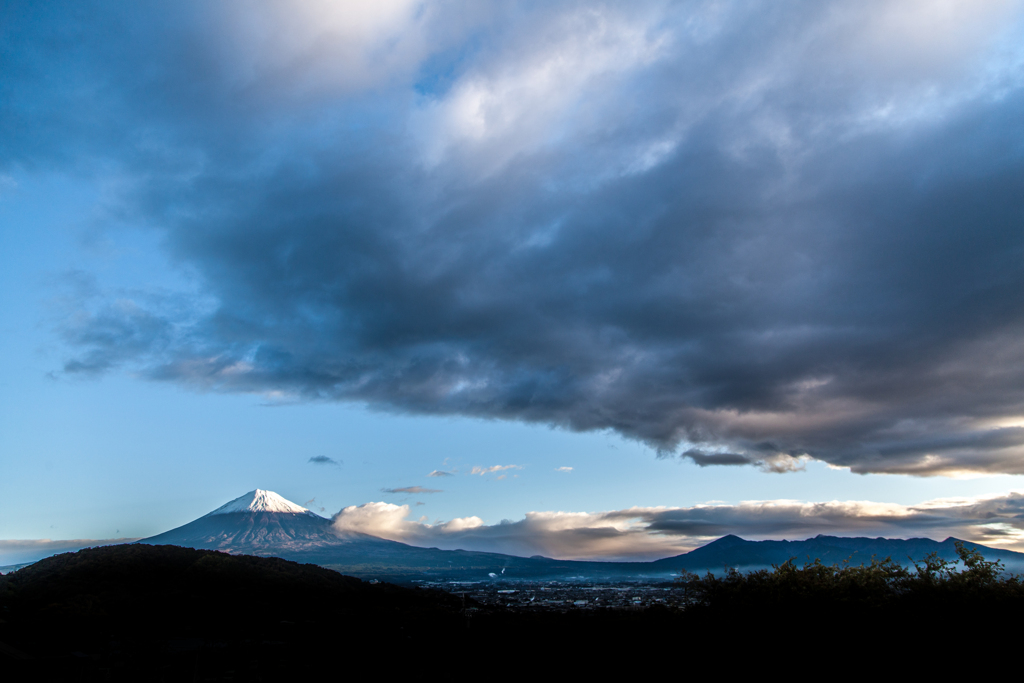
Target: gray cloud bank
pixel 652 533
pixel 750 234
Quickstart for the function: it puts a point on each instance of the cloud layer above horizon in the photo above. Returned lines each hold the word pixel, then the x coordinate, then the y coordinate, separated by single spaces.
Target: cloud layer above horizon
pixel 650 533
pixel 746 234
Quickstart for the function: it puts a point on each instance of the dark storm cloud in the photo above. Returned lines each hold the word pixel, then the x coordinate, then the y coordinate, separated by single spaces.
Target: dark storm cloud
pixel 749 234
pixel 706 459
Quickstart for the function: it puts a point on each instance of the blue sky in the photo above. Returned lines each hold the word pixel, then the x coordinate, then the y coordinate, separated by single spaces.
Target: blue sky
pixel 702 254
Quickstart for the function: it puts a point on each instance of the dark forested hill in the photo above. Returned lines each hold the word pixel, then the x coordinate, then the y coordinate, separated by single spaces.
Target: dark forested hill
pixel 154 603
pixel 142 612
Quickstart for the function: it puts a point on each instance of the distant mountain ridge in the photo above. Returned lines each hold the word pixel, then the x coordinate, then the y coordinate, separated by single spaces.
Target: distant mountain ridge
pixel 264 523
pixel 733 551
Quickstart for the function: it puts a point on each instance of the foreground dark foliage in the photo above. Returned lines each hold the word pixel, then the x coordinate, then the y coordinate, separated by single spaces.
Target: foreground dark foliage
pixel 973 583
pixel 169 613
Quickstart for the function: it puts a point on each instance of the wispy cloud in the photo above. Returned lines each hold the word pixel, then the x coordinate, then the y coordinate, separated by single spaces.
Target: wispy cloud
pixel 441 473
pixel 324 460
pixel 412 490
pixel 563 469
pixel 494 468
pixel 311 503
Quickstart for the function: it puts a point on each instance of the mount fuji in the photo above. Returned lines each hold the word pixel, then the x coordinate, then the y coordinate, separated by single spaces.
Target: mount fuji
pixel 265 523
pixel 260 522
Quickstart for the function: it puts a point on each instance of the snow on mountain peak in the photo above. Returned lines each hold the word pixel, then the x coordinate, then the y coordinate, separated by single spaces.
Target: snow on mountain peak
pixel 259 501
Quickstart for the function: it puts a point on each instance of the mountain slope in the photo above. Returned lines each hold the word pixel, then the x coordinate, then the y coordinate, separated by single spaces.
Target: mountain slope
pixel 255 523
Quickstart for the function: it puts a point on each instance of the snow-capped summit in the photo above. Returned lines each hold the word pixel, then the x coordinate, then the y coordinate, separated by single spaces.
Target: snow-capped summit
pixel 259 501
pixel 258 522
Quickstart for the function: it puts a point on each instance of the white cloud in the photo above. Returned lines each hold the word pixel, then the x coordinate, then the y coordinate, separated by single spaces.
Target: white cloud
pixel 377 519
pixel 494 468
pixel 318 45
pixel 550 84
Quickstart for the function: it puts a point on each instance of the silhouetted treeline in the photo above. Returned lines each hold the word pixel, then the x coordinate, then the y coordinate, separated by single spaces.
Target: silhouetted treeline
pixel 972 583
pixel 169 613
